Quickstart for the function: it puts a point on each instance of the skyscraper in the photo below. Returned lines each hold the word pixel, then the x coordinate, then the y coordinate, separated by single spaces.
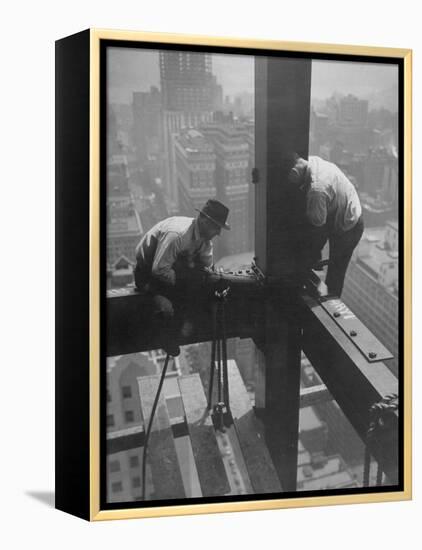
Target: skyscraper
pixel 147 117
pixel 186 81
pixel 189 91
pixel 231 146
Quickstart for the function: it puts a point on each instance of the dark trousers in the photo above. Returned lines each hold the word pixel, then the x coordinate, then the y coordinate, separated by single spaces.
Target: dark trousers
pixel 161 305
pixel 168 300
pixel 168 305
pixel 341 249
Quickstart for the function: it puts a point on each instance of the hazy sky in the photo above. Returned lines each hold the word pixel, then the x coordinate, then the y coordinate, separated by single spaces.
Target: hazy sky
pixel 361 79
pixel 136 70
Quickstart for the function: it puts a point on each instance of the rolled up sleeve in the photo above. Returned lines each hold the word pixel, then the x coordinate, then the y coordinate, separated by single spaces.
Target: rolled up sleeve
pixel 316 208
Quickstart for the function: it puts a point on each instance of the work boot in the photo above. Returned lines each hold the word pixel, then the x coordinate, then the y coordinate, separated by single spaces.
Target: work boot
pixel 167 339
pixel 170 343
pixel 319 265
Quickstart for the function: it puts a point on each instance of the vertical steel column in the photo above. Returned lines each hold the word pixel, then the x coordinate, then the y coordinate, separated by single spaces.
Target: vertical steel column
pixel 282 107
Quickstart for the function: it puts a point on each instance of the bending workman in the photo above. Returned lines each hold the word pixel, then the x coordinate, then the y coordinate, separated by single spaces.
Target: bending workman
pixel 333 212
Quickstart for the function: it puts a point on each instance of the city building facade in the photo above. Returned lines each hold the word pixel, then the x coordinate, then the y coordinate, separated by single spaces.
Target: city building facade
pixel 233 180
pixel 371 286
pixel 124 228
pixel 147 124
pixel 123 412
pixel 195 170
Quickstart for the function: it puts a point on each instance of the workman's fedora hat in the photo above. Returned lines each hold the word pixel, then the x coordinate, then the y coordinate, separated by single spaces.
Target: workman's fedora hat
pixel 216 212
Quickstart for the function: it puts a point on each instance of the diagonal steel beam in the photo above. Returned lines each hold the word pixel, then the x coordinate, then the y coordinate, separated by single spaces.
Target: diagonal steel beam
pixel 354 381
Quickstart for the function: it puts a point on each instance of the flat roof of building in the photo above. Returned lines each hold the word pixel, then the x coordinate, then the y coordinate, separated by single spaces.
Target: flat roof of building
pixel 308 420
pixel 122 221
pixel 372 254
pixel 377 254
pixel 194 141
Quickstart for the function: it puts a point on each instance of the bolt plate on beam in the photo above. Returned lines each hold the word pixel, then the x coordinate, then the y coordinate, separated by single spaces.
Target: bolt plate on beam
pixel 358 333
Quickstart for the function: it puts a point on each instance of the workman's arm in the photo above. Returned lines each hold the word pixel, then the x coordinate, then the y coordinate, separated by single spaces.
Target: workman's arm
pixel 191 269
pixel 166 254
pixel 316 207
pixel 315 232
pixel 205 256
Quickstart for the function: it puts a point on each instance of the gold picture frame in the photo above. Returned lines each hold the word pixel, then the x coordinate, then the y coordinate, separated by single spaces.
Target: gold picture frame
pixel 79 387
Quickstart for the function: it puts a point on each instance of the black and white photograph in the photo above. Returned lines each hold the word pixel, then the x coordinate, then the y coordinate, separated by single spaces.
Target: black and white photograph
pixel 210 288
pixel 252 275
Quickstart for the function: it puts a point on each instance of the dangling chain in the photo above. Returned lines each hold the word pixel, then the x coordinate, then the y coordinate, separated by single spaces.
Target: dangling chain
pixel 378 414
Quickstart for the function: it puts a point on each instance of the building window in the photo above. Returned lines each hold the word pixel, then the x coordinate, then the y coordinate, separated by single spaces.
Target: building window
pixel 117 487
pixel 134 461
pixel 136 482
pixel 110 420
pixel 129 416
pixel 126 392
pixel 114 466
pixel 108 397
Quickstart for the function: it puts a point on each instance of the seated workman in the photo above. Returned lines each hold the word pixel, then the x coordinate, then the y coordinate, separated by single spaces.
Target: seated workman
pixel 169 261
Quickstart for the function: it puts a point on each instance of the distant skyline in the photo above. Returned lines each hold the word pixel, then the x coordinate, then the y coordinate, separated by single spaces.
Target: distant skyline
pixel 131 70
pixel 364 80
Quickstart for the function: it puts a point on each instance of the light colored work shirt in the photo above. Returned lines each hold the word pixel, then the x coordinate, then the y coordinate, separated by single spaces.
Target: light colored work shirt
pixel 332 198
pixel 169 240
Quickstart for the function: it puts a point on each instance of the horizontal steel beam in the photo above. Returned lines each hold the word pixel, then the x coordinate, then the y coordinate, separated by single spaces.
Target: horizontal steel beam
pixel 129 328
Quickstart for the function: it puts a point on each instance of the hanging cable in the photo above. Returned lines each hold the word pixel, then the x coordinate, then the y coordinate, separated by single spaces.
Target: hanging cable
pixel 151 419
pixel 226 397
pixel 219 369
pixel 213 352
pixel 219 356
